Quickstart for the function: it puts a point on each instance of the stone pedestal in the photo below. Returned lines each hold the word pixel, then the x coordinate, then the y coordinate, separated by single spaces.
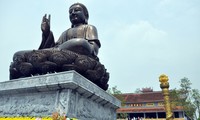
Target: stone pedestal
pixel 66 92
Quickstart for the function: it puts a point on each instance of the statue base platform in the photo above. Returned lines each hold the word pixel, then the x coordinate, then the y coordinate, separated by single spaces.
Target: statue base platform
pixel 64 92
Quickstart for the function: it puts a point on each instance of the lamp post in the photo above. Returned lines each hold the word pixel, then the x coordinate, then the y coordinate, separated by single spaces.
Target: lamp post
pixel 164 85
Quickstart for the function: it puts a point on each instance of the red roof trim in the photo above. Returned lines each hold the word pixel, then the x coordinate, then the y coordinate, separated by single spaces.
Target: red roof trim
pixel 151 109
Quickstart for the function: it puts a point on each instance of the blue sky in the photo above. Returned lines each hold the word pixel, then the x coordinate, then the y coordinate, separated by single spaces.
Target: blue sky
pixel 141 39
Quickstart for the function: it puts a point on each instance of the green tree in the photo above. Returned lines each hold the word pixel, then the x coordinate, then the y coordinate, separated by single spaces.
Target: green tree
pixel 185 85
pixel 114 90
pixel 138 90
pixel 174 98
pixel 118 94
pixel 196 100
pixel 188 98
pixel 185 95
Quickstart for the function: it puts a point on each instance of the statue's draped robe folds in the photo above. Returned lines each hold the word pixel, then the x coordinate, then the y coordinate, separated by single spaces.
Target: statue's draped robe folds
pixel 76 49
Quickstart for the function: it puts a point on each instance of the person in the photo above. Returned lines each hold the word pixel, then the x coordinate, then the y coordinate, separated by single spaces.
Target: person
pixel 81 37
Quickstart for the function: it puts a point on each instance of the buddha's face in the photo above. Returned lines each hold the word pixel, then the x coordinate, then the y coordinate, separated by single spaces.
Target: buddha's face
pixel 76 15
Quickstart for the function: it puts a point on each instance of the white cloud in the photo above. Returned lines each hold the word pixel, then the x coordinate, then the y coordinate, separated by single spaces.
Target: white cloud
pixel 137 36
pixel 131 49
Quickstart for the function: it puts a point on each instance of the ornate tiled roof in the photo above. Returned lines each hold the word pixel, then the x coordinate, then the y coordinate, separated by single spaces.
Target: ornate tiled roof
pixel 143 97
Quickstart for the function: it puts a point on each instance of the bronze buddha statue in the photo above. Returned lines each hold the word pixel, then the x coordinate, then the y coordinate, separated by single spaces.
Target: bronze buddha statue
pixel 79 35
pixel 76 49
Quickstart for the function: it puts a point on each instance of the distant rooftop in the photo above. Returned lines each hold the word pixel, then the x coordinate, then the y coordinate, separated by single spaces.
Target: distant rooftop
pixel 153 96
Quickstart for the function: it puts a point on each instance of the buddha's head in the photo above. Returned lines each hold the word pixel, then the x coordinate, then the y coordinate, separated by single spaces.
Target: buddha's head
pixel 78 14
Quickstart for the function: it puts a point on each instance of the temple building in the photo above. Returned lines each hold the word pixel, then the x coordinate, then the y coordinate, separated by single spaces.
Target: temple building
pixel 147 104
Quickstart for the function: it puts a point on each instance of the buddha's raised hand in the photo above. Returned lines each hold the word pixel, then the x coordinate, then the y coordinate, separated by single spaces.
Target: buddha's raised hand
pixel 45 25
